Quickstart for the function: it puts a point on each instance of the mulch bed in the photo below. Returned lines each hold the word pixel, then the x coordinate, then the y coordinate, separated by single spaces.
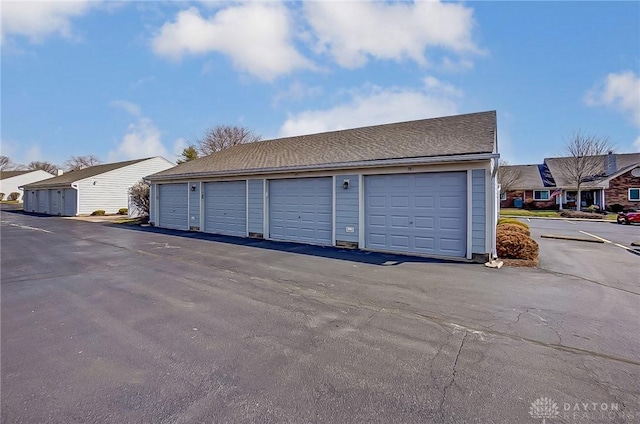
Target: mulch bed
pixel 520 263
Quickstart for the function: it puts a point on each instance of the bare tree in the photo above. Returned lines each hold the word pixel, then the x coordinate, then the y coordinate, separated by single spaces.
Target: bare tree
pixel 6 164
pixel 75 163
pixel 139 195
pixel 508 176
pixel 224 136
pixel 584 159
pixel 188 154
pixel 43 165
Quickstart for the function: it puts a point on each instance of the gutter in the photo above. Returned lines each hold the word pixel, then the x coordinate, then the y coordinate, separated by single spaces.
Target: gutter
pixel 331 166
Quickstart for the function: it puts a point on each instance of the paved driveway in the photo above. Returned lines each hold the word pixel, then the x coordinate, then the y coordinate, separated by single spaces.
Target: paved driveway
pixel 605 263
pixel 105 323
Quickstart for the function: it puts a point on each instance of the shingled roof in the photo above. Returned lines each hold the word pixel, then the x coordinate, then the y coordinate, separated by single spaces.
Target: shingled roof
pixel 72 176
pixel 529 177
pixel 10 174
pixel 447 136
pixel 624 161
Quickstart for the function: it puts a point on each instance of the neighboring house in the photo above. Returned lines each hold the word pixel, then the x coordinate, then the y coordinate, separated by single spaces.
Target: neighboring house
pixel 617 181
pixel 12 181
pixel 423 187
pixel 83 191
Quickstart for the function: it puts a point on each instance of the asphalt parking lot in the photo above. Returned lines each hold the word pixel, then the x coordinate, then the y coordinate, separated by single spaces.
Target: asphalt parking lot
pixel 115 323
pixel 607 263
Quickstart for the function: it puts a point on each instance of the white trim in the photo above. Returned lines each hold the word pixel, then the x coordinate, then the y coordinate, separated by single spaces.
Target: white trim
pixel 265 209
pixel 189 206
pixel 454 159
pixel 489 211
pixel 333 210
pixel 75 186
pixel 361 218
pixel 201 208
pixel 469 213
pixel 418 169
pixel 246 209
pixel 533 196
pixel 604 203
pixel 629 194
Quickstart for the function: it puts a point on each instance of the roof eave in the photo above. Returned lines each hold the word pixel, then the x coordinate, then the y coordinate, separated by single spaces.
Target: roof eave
pixel 332 166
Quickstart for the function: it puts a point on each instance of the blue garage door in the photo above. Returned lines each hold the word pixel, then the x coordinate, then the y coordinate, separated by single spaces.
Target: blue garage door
pixel 69 198
pixel 172 206
pixel 417 213
pixel 300 210
pixel 225 208
pixel 43 201
pixel 55 199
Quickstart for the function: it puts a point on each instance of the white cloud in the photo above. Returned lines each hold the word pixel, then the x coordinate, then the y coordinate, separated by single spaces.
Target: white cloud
pixel 372 106
pixel 141 140
pixel 353 32
pixel 179 145
pixel 36 20
pixel 129 107
pixel 620 91
pixel 297 91
pixel 256 36
pixel 636 144
pixel 436 86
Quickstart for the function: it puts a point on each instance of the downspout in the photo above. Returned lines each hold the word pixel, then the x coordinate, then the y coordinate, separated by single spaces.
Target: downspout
pixel 496 208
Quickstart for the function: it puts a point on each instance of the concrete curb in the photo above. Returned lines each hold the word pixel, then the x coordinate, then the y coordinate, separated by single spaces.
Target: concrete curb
pixel 558 218
pixel 635 243
pixel 561 237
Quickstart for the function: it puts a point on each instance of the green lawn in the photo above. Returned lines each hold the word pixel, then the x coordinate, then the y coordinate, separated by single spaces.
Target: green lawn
pixel 523 212
pixel 546 214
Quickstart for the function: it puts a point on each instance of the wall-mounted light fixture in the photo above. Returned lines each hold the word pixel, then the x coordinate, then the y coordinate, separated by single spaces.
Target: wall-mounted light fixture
pixel 345 184
pixel 193 188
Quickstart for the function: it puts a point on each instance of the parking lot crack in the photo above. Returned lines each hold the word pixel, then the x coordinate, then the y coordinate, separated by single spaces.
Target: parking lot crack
pixel 454 371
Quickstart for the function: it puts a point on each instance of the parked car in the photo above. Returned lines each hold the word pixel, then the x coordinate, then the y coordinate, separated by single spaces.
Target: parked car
pixel 628 218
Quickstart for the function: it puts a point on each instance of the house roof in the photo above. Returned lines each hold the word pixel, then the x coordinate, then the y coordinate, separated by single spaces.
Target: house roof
pixel 529 176
pixel 447 136
pixel 10 174
pixel 72 176
pixel 623 161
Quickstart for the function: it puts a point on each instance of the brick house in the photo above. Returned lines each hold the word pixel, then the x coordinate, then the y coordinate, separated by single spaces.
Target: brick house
pixel 544 186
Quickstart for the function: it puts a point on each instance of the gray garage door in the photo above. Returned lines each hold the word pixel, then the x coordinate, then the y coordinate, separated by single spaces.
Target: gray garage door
pixel 172 206
pixel 418 213
pixel 69 202
pixel 300 210
pixel 55 200
pixel 30 201
pixel 43 201
pixel 225 208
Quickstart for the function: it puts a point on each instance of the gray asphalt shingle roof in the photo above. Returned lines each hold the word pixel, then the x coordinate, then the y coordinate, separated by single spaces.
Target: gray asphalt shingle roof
pixel 529 176
pixel 71 176
pixel 623 161
pixel 453 135
pixel 10 174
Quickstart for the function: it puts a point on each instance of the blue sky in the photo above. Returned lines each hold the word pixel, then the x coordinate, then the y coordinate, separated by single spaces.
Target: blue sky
pixel 124 80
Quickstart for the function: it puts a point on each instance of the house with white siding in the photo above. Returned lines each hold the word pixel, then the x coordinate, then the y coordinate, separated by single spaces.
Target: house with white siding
pixel 81 192
pixel 425 187
pixel 12 181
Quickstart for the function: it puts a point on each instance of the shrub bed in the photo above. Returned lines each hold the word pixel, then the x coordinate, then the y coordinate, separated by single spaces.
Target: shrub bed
pixel 512 221
pixel 99 212
pixel 513 227
pixel 579 214
pixel 123 211
pixel 515 245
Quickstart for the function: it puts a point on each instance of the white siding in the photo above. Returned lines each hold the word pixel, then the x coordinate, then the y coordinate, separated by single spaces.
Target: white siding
pixel 10 185
pixel 110 191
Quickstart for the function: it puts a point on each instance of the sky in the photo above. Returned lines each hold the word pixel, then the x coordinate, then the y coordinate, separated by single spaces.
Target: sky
pixel 124 80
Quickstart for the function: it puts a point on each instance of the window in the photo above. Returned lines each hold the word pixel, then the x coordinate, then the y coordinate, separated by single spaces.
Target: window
pixel 503 196
pixel 540 194
pixel 634 194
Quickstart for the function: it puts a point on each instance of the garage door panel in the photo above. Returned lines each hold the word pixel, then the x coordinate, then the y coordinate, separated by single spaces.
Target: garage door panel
pixel 400 216
pixel 301 210
pixel 173 206
pixel 226 208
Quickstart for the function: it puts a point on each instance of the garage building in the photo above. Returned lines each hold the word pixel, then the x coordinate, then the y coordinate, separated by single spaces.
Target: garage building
pixel 83 191
pixel 425 187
